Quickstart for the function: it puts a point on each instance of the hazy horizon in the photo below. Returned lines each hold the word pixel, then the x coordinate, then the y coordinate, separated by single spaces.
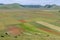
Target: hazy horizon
pixel 31 2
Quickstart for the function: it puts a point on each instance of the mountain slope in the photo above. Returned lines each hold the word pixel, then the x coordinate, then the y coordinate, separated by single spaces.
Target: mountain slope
pixel 10 6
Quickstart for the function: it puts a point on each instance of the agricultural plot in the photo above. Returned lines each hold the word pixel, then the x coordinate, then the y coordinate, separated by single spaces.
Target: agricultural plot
pixel 22 25
pixel 49 25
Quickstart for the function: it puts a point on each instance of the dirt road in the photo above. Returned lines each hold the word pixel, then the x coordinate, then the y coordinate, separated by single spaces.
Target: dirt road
pixel 49 25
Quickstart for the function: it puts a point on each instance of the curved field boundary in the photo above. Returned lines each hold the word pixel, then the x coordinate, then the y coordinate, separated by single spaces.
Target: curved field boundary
pixel 49 25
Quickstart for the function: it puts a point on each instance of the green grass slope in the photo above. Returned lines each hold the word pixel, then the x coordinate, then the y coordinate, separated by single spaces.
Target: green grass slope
pixel 11 6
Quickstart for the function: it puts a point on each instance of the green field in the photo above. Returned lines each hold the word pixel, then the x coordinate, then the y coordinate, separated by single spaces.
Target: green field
pixel 32 30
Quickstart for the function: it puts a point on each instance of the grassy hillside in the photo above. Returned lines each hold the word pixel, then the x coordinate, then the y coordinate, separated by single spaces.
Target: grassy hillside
pixel 26 19
pixel 10 6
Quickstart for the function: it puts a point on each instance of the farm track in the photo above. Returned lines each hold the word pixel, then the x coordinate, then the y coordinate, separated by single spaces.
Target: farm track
pixel 49 25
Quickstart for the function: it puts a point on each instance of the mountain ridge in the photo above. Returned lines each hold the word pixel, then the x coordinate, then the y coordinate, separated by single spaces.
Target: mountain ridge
pixel 18 6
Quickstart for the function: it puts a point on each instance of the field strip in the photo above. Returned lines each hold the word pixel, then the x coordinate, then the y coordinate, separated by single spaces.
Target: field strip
pixel 49 25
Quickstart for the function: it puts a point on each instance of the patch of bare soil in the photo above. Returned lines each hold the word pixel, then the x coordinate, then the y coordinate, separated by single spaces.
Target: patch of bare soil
pixel 14 31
